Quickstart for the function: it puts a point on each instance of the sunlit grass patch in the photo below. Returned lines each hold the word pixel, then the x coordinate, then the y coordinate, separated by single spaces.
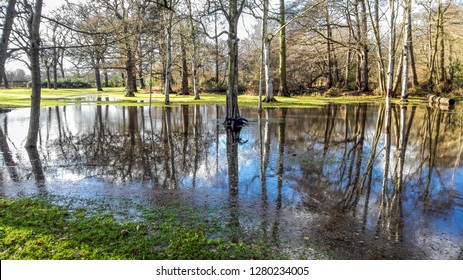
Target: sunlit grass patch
pixel 37 229
pixel 12 98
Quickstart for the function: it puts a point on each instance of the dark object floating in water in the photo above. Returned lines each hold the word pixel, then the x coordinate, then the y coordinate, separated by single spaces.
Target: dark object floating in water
pixel 3 110
pixel 235 121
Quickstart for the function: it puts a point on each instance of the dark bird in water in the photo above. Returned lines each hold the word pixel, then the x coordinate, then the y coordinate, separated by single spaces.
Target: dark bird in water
pixel 236 121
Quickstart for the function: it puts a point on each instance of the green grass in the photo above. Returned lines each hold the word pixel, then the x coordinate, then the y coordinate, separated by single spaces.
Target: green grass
pixel 13 98
pixel 34 228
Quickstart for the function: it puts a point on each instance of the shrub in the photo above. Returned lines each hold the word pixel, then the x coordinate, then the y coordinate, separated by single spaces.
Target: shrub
pixel 66 83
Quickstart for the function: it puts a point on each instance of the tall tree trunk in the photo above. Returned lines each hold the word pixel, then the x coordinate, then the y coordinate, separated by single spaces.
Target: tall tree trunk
pixel 140 65
pixel 328 47
pixel 378 45
pixel 7 26
pixel 47 72
pixel 433 50
pixel 267 59
pixel 98 79
pixel 398 76
pixel 358 73
pixel 184 90
pixel 348 67
pixel 216 53
pixel 269 97
pixel 261 74
pixel 168 57
pixel 232 69
pixel 105 72
pixel 410 46
pixel 140 75
pixel 443 73
pixel 97 74
pixel 34 56
pixel 55 58
pixel 5 79
pixel 283 88
pixel 61 63
pixel 404 94
pixel 390 68
pixel 194 63
pixel 106 77
pixel 365 49
pixel 55 69
pixel 130 78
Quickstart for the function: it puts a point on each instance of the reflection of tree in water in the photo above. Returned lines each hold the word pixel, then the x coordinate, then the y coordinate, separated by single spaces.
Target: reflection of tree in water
pixel 11 165
pixel 35 162
pixel 359 181
pixel 269 225
pixel 390 220
pixel 432 141
pixel 353 187
pixel 280 172
pixel 37 168
pixel 132 148
pixel 233 140
pixel 197 132
pixel 169 151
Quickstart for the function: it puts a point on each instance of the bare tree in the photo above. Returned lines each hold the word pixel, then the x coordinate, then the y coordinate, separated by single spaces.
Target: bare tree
pixel 283 88
pixel 267 37
pixel 6 31
pixel 127 20
pixel 184 90
pixel 232 13
pixel 194 62
pixel 34 57
pixel 169 17
pixel 390 69
pixel 406 53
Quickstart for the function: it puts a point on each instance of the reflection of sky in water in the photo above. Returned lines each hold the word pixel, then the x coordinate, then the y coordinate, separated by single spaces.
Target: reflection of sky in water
pixel 311 185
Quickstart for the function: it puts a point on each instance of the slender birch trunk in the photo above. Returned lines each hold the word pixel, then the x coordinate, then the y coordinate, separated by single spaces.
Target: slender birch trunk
pixel 194 63
pixel 404 94
pixel 390 69
pixel 283 89
pixel 34 56
pixel 267 67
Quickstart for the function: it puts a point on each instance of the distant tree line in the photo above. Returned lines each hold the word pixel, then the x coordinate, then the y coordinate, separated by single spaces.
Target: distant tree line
pixel 346 44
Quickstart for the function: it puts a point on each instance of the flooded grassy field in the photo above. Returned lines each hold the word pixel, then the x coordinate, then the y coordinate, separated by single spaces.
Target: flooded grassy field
pixel 350 181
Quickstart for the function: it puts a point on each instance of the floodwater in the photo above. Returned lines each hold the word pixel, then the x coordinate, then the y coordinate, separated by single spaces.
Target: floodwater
pixel 353 182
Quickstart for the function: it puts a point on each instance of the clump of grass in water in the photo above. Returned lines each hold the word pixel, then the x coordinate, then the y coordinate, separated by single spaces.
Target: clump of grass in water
pixel 34 228
pixel 315 163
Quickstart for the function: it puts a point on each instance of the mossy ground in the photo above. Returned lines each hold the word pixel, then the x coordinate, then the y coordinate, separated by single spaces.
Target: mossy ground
pixel 36 228
pixel 13 98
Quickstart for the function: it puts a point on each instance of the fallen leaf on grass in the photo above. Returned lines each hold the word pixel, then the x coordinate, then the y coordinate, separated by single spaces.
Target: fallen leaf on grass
pixel 140 226
pixel 77 255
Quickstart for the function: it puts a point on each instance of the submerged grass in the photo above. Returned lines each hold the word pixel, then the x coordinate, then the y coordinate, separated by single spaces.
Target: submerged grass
pixel 13 98
pixel 35 228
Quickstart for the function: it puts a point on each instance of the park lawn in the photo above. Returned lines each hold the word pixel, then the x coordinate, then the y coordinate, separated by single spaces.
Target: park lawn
pixel 13 98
